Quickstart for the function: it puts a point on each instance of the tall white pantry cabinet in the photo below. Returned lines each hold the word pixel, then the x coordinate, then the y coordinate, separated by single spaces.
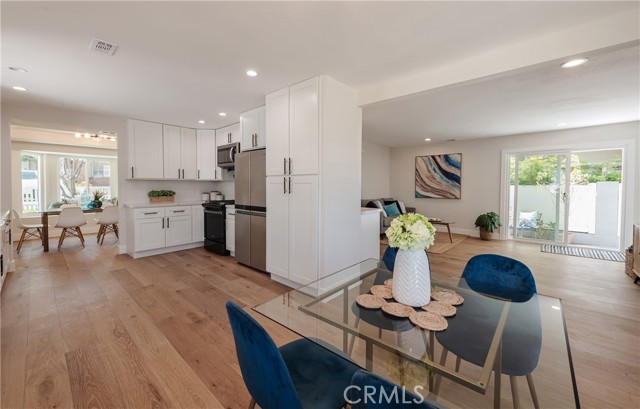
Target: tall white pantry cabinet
pixel 313 160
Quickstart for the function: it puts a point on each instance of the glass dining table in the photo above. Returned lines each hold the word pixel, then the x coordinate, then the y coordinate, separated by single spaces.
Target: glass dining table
pixel 525 339
pixel 44 219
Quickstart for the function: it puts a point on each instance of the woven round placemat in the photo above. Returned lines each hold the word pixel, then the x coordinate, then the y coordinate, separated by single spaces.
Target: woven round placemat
pixel 389 282
pixel 370 301
pixel 398 310
pixel 436 307
pixel 447 297
pixel 428 320
pixel 382 291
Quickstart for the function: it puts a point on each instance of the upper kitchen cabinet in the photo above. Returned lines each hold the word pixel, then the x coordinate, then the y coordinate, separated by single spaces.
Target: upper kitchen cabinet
pixel 207 154
pixel 145 150
pixel 292 125
pixel 228 134
pixel 252 128
pixel 180 152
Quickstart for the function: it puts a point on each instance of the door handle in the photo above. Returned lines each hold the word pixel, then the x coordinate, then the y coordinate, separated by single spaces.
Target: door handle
pixel 284 184
pixel 178 173
pixel 198 173
pixel 289 167
pixel 163 222
pixel 182 173
pixel 167 222
pixel 284 166
pixel 131 171
pixel 289 184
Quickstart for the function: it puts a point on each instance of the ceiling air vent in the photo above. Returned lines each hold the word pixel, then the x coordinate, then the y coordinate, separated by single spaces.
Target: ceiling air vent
pixel 103 47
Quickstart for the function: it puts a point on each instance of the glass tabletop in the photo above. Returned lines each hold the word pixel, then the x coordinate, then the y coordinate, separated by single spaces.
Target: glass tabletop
pixel 52 210
pixel 517 338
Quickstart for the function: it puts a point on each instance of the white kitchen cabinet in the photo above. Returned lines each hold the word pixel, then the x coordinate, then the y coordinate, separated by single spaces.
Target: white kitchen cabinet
pixel 178 225
pixel 303 128
pixel 145 150
pixel 207 155
pixel 149 229
pixel 314 221
pixel 197 223
pixel 278 226
pixel 188 153
pixel 228 134
pixel 180 152
pixel 277 132
pixel 252 128
pixel 230 229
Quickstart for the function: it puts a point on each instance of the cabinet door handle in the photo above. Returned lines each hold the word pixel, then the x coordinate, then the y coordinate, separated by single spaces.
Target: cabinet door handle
pixel 284 166
pixel 284 184
pixel 178 173
pixel 167 222
pixel 178 211
pixel 132 171
pixel 182 173
pixel 163 222
pixel 148 213
pixel 289 184
pixel 198 173
pixel 289 165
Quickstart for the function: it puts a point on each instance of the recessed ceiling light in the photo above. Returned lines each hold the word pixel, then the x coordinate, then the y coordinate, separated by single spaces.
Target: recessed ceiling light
pixel 78 135
pixel 555 307
pixel 562 124
pixel 18 69
pixel 427 139
pixel 574 63
pixel 87 136
pixel 252 73
pixel 19 88
pixel 201 121
pixel 222 113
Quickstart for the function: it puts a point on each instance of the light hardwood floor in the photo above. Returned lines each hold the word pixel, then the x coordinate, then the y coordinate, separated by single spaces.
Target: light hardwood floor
pixel 89 328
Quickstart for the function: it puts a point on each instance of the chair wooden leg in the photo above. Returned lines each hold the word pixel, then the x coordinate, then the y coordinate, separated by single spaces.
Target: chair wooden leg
pixel 62 236
pixel 39 232
pixel 252 404
pixel 99 233
pixel 514 392
pixel 24 232
pixel 80 235
pixel 104 233
pixel 458 362
pixel 443 360
pixel 117 231
pixel 532 389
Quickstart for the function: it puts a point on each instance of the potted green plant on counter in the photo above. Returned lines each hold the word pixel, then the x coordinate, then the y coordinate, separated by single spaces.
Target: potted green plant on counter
pixel 488 222
pixel 161 195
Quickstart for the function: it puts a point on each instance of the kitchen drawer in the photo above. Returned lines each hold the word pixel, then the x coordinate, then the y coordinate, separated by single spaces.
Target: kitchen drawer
pixel 178 211
pixel 147 213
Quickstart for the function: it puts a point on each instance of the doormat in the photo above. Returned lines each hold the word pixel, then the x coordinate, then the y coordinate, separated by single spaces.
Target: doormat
pixel 582 252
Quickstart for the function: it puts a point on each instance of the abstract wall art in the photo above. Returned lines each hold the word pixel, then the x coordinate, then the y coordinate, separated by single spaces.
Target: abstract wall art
pixel 438 176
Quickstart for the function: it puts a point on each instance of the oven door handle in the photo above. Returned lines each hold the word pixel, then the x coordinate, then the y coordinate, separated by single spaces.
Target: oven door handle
pixel 213 212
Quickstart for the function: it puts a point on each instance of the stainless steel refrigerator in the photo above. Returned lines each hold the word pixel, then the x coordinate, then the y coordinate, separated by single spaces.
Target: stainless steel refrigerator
pixel 251 210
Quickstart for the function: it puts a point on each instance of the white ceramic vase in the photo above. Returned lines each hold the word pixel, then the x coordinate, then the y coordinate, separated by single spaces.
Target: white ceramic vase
pixel 412 278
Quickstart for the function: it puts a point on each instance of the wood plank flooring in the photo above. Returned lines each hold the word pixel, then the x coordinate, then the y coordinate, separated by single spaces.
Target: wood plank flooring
pixel 88 328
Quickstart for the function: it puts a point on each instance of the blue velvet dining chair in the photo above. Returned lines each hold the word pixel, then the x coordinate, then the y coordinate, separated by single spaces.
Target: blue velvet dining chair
pixel 369 391
pixel 471 330
pixel 298 375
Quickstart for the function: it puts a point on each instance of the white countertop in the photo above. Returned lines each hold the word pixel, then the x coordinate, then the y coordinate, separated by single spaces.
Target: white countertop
pixel 365 210
pixel 163 204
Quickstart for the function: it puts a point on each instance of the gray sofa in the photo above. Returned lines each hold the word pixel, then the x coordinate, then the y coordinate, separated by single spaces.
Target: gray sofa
pixel 385 222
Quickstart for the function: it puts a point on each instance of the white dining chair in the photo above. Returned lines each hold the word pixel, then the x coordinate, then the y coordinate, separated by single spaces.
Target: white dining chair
pixel 70 220
pixel 27 229
pixel 108 221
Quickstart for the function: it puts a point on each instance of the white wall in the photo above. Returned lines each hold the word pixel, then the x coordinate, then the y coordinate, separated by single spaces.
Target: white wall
pixel 481 165
pixel 376 167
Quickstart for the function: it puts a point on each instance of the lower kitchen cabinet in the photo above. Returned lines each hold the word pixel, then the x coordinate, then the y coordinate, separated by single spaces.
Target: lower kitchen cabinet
pixel 230 232
pixel 160 229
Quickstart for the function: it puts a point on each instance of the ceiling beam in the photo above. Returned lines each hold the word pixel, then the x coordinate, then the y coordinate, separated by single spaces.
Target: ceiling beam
pixel 573 41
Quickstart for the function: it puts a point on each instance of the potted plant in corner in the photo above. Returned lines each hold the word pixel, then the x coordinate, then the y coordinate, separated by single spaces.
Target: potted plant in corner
pixel 161 195
pixel 488 222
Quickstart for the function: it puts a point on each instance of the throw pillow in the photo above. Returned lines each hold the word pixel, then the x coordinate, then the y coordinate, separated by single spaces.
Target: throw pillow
pixel 380 206
pixel 397 203
pixel 392 209
pixel 403 209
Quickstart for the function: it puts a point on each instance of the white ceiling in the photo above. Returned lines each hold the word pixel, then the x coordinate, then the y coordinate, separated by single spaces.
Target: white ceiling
pixel 179 62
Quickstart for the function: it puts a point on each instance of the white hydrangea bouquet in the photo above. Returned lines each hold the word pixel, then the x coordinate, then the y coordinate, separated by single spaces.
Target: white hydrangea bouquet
pixel 411 231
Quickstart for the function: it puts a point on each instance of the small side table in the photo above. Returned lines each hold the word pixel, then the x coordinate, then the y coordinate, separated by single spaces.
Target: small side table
pixel 444 223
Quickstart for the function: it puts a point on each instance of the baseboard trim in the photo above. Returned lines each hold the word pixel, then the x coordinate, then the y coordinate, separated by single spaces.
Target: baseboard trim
pixel 163 250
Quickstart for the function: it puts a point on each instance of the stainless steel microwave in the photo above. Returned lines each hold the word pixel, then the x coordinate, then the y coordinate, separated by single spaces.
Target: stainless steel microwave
pixel 227 155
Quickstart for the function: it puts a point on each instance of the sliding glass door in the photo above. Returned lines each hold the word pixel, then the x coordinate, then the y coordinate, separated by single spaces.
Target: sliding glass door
pixel 570 197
